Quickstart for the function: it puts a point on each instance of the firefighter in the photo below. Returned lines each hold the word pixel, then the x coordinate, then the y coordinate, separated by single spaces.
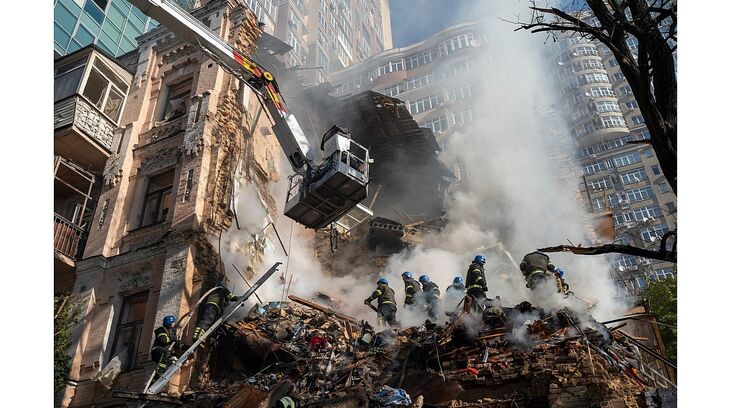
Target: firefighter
pixel 386 303
pixel 413 289
pixel 457 288
pixel 213 308
pixel 476 282
pixel 563 286
pixel 431 295
pixel 165 340
pixel 536 267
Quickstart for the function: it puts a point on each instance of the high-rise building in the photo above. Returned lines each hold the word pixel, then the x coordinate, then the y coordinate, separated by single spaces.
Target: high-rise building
pixel 618 176
pixel 438 81
pixel 112 25
pixel 329 35
pixel 435 77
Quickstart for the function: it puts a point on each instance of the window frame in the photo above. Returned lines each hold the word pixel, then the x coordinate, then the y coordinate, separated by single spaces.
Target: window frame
pixel 158 194
pixel 136 326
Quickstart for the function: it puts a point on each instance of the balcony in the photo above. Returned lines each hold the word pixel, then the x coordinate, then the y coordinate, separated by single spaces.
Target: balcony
pixel 82 133
pixel 68 238
pixel 90 89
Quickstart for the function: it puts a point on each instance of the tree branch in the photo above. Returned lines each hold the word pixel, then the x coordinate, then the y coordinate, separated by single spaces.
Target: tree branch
pixel 614 248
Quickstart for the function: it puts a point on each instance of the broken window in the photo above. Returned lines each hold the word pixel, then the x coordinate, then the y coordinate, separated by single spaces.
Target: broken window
pixel 158 199
pixel 129 329
pixel 178 99
pixel 104 90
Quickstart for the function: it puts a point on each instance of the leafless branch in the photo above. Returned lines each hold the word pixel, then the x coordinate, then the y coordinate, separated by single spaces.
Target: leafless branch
pixel 614 248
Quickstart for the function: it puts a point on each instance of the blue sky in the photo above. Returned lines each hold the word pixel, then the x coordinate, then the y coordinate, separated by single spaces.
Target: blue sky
pixel 416 20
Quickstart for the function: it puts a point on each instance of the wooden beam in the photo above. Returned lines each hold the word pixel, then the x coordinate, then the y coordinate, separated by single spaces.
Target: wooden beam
pixel 323 309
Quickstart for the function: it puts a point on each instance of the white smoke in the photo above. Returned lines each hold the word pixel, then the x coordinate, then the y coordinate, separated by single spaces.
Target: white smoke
pixel 512 199
pixel 512 193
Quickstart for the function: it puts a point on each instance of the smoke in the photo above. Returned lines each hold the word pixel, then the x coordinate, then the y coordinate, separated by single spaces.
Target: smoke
pixel 513 154
pixel 511 200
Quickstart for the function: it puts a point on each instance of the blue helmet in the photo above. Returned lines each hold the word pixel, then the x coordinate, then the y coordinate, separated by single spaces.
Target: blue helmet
pixel 406 274
pixel 458 280
pixel 480 259
pixel 382 281
pixel 221 283
pixel 423 278
pixel 560 272
pixel 168 321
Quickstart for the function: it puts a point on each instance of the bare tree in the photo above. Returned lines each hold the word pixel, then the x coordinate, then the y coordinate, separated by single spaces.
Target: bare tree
pixel 650 71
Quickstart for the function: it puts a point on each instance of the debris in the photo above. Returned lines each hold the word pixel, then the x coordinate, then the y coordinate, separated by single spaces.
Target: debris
pixel 393 396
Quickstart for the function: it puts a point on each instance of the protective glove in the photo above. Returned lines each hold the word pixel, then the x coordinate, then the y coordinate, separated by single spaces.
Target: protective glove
pixel 366 302
pixel 234 298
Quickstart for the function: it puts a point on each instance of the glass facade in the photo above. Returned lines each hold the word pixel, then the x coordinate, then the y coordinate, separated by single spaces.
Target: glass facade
pixel 112 25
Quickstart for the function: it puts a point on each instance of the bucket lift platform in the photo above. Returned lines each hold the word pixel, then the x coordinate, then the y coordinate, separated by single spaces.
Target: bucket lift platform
pixel 325 193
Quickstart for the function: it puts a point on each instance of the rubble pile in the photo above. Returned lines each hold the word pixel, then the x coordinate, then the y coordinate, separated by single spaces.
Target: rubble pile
pixel 513 357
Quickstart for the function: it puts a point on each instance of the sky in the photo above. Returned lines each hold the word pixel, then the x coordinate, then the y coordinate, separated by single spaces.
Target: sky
pixel 410 24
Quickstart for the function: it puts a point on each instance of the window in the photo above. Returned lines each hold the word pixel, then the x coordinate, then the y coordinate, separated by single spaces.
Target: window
pixel 671 207
pixel 639 194
pixel 591 64
pixel 602 91
pixel 626 159
pixel 663 188
pixel 598 204
pixel 129 328
pixel 419 81
pixel 625 90
pixel 618 76
pixel 394 90
pixel 633 176
pixel 463 92
pixel 456 43
pixel 607 106
pixel 624 261
pixel 643 135
pixel 422 58
pixel 158 199
pixel 462 117
pixel 613 121
pixel 612 62
pixel 637 120
pixel 594 167
pixel 66 83
pixel 585 50
pixel 600 183
pixel 648 153
pixel 632 105
pixel 654 233
pixel 105 90
pixel 664 273
pixel 178 99
pixel 424 104
pixel 437 125
pixel 620 218
pixel 655 170
pixel 641 282
pixel 595 77
pixel 615 199
pixel 648 212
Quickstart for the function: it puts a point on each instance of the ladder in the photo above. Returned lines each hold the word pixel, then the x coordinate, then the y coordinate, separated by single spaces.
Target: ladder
pixel 175 367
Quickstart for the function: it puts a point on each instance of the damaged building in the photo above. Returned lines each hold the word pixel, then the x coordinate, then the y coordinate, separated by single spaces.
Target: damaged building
pixel 165 198
pixel 160 195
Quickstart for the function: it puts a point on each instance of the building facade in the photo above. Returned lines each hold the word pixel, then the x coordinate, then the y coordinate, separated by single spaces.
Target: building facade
pixel 112 25
pixel 621 174
pixel 329 35
pixel 187 129
pixel 436 78
pixel 90 91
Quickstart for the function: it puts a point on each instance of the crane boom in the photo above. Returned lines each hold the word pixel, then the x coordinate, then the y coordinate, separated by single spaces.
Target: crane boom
pixel 319 194
pixel 286 128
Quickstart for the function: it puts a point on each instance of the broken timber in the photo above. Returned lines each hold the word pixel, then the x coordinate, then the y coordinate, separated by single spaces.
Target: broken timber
pixel 146 397
pixel 323 309
pixel 173 369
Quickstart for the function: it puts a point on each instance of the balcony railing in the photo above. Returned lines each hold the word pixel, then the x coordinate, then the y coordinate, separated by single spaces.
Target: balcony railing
pixel 75 110
pixel 68 239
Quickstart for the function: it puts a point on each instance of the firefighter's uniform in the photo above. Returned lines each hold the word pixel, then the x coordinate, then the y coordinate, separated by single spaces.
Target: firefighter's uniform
pixel 386 304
